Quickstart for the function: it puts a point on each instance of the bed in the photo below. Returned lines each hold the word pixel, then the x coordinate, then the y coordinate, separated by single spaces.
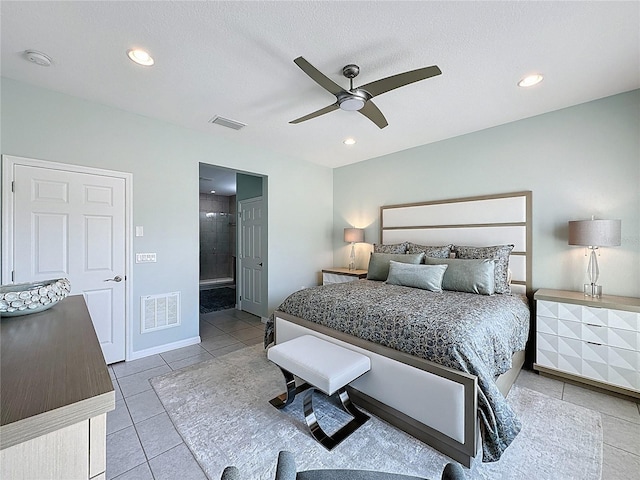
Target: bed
pixel 437 371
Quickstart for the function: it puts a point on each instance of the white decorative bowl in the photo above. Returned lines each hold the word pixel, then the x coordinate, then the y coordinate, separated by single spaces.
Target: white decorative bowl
pixel 24 298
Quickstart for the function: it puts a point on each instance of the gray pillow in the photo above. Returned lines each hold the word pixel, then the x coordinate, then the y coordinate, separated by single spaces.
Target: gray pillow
pixel 499 253
pixel 379 263
pixel 391 248
pixel 430 251
pixel 471 276
pixel 426 277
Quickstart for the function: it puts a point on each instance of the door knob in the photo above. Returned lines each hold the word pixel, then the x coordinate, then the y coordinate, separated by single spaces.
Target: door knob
pixel 117 278
pixel 260 264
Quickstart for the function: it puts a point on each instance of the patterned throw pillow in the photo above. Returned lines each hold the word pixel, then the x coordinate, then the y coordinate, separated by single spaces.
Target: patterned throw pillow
pixel 499 253
pixel 430 251
pixel 391 248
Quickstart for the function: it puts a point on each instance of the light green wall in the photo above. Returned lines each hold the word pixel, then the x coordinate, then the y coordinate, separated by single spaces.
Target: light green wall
pixel 163 159
pixel 578 161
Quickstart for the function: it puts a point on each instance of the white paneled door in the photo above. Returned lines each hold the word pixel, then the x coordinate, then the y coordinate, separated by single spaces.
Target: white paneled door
pixel 71 224
pixel 251 256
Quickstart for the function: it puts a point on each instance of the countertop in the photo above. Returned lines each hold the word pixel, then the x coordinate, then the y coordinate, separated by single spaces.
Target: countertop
pixel 615 302
pixel 52 372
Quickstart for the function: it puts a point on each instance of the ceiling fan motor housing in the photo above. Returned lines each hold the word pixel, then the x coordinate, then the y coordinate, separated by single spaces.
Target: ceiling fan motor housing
pixel 353 101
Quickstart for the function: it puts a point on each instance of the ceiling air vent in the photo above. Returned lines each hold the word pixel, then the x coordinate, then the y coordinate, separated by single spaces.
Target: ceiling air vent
pixel 226 122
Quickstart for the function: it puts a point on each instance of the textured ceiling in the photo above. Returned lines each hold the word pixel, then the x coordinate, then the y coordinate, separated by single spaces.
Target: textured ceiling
pixel 235 59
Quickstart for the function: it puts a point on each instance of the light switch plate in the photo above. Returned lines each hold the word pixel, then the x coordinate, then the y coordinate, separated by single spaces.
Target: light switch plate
pixel 145 258
pixel 139 231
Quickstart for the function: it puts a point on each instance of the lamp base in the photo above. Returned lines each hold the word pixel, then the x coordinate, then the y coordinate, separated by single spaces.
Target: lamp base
pixel 352 257
pixel 592 290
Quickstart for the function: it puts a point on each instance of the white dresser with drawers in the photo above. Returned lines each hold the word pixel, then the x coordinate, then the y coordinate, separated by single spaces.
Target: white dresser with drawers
pixel 591 340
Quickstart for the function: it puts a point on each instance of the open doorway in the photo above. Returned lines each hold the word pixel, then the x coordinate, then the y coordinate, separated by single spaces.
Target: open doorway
pixel 218 220
pixel 221 190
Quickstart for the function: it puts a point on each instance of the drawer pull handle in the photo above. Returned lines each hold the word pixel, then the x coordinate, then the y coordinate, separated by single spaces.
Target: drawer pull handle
pixel 594 325
pixel 594 343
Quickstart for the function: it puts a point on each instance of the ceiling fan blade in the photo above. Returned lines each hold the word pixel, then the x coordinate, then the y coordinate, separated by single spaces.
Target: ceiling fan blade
pixel 317 113
pixel 374 114
pixel 400 80
pixel 318 77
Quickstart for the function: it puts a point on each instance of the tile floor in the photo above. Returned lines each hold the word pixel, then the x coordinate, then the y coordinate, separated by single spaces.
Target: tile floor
pixel 142 443
pixel 620 422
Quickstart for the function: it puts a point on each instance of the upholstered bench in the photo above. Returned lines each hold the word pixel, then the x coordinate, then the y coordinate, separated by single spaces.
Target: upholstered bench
pixel 322 366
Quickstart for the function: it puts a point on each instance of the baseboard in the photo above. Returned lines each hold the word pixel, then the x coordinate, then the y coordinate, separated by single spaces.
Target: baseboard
pixel 164 348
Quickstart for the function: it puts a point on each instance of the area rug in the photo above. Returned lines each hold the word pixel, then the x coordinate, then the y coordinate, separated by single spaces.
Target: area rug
pixel 221 409
pixel 214 299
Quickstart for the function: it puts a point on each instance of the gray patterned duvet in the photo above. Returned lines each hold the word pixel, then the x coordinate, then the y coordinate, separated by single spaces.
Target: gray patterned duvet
pixel 477 334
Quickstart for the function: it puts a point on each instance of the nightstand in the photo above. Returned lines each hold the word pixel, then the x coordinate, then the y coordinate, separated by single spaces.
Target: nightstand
pixel 341 275
pixel 590 340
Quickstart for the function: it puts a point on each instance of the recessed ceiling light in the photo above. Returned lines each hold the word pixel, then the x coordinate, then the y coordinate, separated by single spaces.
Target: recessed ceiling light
pixel 140 57
pixel 531 80
pixel 213 191
pixel 349 141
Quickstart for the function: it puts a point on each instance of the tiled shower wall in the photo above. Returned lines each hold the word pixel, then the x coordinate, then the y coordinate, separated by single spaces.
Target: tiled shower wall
pixel 217 236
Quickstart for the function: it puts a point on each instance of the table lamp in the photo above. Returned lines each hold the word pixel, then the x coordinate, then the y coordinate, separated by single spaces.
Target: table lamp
pixel 353 236
pixel 593 234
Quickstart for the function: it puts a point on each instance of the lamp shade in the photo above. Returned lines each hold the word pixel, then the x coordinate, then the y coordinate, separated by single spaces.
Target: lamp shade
pixel 354 235
pixel 595 233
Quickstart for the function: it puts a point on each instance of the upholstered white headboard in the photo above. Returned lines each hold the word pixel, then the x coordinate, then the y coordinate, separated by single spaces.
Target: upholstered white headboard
pixel 476 221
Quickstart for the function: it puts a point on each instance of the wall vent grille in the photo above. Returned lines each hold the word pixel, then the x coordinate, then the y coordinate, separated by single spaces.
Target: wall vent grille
pixel 226 122
pixel 159 311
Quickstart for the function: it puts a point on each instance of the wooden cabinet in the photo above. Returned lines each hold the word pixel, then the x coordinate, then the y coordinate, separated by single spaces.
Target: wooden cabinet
pixel 77 451
pixel 341 275
pixel 56 391
pixel 593 340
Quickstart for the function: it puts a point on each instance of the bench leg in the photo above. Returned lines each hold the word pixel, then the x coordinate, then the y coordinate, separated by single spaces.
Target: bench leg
pixel 287 397
pixel 331 441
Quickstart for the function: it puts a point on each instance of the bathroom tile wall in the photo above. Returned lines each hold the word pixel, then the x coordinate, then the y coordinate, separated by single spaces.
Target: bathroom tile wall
pixel 217 236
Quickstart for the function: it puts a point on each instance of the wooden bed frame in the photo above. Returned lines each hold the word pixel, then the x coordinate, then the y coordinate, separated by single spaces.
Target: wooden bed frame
pixel 435 404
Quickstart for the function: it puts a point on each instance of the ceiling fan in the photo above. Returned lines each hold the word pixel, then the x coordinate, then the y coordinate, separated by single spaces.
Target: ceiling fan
pixel 359 99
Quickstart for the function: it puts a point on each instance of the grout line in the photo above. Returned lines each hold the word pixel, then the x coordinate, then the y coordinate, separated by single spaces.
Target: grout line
pixel 183 442
pixel 619 418
pixel 144 452
pixel 132 468
pixel 134 424
pixel 599 411
pixel 149 418
pixel 621 449
pixel 175 446
pixel 144 370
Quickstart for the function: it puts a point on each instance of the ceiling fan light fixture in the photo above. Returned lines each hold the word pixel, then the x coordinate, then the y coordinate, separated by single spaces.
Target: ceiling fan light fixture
pixel 352 104
pixel 349 141
pixel 531 80
pixel 141 57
